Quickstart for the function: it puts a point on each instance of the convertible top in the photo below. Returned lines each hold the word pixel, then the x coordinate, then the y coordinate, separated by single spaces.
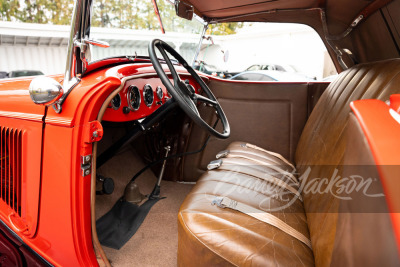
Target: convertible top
pixel 227 8
pixel 340 13
pixel 333 20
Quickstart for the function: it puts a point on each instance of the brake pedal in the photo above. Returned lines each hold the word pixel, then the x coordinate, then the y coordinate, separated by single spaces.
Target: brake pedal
pixel 105 185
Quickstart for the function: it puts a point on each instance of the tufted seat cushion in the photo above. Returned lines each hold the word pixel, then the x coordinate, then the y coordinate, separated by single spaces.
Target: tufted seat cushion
pixel 211 236
pixel 244 150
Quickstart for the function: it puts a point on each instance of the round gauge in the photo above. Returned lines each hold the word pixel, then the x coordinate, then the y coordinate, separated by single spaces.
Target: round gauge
pixel 133 97
pixel 148 95
pixel 116 102
pixel 159 92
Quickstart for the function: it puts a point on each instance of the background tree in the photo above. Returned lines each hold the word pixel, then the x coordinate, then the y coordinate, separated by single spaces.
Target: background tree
pixel 61 11
pixel 224 28
pixel 9 10
pixel 125 14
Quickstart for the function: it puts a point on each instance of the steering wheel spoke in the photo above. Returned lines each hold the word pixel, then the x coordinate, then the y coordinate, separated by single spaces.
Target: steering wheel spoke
pixel 206 100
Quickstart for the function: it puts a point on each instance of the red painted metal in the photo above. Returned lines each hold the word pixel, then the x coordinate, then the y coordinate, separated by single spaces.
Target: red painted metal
pixel 395 103
pixel 381 127
pixel 20 175
pixel 143 111
pixel 52 167
pixel 93 132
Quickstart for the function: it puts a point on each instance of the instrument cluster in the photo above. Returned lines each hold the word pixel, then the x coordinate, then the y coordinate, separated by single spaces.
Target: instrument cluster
pixel 139 98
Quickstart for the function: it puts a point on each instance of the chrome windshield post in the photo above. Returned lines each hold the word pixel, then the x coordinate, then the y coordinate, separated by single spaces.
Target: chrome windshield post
pixel 77 52
pixel 203 33
pixel 70 68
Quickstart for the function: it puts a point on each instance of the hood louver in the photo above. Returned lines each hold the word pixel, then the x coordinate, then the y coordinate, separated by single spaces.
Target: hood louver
pixel 10 163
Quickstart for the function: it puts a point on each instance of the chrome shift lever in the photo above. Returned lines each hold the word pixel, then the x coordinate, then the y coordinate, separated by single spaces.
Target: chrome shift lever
pixel 160 176
pixel 156 190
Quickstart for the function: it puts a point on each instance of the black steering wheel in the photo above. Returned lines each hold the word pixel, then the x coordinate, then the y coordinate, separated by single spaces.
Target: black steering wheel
pixel 184 93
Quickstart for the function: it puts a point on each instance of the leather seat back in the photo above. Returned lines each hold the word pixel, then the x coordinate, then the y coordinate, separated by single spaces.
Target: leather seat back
pixel 323 142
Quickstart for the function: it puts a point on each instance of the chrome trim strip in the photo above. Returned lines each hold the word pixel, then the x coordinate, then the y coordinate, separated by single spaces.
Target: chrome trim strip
pixel 70 78
pixel 22 116
pixel 203 33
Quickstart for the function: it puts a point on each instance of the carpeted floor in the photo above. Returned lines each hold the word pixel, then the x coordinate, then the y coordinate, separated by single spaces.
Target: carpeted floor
pixel 156 241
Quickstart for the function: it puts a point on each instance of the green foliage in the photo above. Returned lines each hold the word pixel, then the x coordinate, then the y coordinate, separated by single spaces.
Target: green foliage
pixel 139 15
pixel 224 28
pixel 37 11
pixel 125 14
pixel 9 10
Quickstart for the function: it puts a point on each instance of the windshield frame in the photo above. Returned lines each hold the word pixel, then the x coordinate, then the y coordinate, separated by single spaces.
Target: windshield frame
pixel 78 53
pixel 128 36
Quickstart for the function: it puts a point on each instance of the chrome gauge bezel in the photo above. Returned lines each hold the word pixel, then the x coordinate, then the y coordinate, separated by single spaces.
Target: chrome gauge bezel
pixel 147 88
pixel 159 92
pixel 114 107
pixel 128 96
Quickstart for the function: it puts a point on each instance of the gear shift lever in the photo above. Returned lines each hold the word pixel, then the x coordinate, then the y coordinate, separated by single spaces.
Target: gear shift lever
pixel 156 190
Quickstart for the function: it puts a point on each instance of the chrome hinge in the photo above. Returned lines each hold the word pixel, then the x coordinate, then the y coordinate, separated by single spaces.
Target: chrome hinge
pixel 86 165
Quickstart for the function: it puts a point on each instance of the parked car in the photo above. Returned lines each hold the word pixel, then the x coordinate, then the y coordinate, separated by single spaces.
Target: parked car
pixel 211 70
pixel 270 76
pixel 287 68
pixel 24 73
pixel 112 162
pixel 3 74
pixel 281 68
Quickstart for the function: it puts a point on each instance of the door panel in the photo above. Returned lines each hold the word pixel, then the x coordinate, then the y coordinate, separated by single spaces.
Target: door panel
pixel 270 115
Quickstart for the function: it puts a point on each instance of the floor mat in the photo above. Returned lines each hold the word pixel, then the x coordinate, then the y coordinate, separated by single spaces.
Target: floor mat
pixel 156 241
pixel 118 225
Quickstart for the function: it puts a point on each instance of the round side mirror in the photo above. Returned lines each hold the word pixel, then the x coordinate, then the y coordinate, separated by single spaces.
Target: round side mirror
pixel 45 90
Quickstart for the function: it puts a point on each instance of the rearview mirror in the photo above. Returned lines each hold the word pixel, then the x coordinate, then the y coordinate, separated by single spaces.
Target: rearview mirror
pixel 184 10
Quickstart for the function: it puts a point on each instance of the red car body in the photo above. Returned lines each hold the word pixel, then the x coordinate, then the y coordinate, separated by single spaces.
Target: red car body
pixel 45 197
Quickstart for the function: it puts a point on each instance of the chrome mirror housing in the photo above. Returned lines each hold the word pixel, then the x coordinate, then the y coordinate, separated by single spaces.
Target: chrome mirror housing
pixel 45 91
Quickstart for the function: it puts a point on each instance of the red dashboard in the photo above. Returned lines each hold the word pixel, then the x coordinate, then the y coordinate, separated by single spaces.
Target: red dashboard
pixel 139 98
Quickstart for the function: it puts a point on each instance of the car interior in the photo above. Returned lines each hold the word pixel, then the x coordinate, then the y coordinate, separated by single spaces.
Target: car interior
pixel 196 170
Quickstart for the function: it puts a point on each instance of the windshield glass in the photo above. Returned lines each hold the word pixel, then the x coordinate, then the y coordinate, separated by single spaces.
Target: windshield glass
pixel 283 51
pixel 129 25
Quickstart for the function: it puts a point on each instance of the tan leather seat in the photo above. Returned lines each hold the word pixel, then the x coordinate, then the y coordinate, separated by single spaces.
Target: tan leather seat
pixel 211 236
